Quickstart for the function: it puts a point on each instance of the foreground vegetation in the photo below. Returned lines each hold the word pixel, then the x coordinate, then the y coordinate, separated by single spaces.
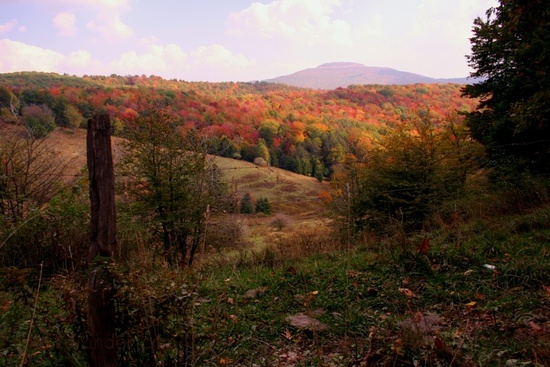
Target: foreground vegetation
pixel 471 291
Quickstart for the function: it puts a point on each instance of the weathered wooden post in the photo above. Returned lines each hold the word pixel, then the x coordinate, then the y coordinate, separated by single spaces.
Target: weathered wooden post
pixel 103 245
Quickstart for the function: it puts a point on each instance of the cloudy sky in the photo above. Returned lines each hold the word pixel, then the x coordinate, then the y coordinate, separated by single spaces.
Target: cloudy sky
pixel 235 40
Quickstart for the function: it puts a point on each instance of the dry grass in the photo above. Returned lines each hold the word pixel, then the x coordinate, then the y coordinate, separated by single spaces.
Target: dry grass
pixel 291 194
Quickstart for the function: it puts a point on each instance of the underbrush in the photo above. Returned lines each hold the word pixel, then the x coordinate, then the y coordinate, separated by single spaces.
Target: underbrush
pixel 473 290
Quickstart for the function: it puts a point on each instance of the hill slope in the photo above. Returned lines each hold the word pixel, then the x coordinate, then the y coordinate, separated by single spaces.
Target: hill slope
pixel 288 192
pixel 343 74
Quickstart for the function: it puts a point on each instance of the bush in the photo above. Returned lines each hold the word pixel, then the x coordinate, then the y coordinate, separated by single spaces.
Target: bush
pixel 226 232
pixel 280 222
pixel 39 120
pixel 263 206
pixel 247 206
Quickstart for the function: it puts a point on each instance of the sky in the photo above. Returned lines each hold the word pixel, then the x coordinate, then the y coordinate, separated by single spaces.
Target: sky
pixel 235 40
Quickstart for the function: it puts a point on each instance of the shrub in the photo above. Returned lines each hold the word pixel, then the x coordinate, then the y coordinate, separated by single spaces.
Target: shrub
pixel 280 221
pixel 39 120
pixel 263 206
pixel 247 206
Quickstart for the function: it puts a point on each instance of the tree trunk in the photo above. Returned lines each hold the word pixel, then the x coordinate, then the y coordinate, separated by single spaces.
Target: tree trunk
pixel 103 246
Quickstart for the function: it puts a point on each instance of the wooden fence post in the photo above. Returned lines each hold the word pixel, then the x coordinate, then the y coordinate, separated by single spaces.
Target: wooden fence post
pixel 103 246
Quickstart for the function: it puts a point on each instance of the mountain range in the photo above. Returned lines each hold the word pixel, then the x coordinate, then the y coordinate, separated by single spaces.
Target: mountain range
pixel 342 74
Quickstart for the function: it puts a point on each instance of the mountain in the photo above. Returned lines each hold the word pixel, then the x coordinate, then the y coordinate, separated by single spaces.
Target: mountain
pixel 343 74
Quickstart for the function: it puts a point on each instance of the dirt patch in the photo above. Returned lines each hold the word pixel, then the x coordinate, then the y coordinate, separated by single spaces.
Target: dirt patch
pixel 251 177
pixel 261 185
pixel 288 188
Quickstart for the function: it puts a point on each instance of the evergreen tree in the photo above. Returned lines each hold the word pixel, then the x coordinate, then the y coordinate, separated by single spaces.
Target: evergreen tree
pixel 511 54
pixel 247 207
pixel 263 206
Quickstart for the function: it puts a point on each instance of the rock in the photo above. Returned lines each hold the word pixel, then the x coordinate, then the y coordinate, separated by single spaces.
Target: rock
pixel 305 322
pixel 254 293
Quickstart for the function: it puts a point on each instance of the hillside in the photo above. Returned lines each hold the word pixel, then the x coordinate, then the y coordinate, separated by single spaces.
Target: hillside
pixel 287 191
pixel 343 74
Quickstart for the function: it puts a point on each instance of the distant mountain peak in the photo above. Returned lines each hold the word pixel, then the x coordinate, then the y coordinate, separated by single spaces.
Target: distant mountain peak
pixel 342 74
pixel 339 65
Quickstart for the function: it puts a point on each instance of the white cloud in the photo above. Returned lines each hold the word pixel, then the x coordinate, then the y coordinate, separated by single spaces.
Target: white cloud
pixel 217 55
pixel 305 23
pixel 157 60
pixel 208 63
pixel 8 26
pixel 79 59
pixel 65 24
pixel 18 56
pixel 110 26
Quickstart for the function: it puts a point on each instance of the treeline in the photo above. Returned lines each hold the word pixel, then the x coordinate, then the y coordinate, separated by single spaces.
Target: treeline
pixel 301 130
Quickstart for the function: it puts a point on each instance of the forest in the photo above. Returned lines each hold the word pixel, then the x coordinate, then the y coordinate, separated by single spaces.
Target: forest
pixel 157 222
pixel 300 130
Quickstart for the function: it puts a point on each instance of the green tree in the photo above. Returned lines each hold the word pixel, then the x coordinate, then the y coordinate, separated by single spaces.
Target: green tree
pixel 39 120
pixel 263 206
pixel 174 182
pixel 247 206
pixel 74 118
pixel 417 165
pixel 9 104
pixel 262 151
pixel 511 55
pixel 268 129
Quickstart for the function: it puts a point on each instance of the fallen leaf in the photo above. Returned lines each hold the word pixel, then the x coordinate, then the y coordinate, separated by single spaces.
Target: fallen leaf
pixel 471 304
pixel 5 306
pixel 234 318
pixel 407 292
pixel 226 361
pixel 439 343
pixel 424 246
pixel 287 335
pixel 230 301
pixel 536 328
pixel 546 289
pixel 397 346
pixel 468 272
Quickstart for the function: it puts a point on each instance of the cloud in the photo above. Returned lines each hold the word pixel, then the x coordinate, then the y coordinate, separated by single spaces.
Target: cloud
pixel 106 17
pixel 18 56
pixel 65 24
pixel 305 23
pixel 8 26
pixel 219 55
pixel 157 60
pixel 110 26
pixel 208 63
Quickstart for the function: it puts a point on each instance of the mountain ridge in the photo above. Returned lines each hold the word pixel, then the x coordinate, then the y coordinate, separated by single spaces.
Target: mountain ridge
pixel 343 74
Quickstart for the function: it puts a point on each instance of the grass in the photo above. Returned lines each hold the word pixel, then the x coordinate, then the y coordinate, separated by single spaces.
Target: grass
pixel 381 305
pixel 376 303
